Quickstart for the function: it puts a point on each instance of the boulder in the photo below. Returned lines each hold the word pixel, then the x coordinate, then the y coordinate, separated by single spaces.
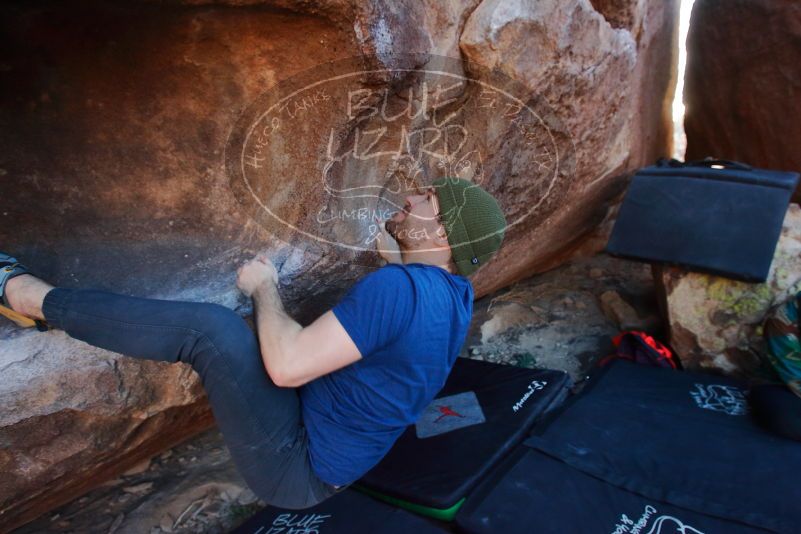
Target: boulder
pixel 624 315
pixel 74 416
pixel 743 81
pixel 126 134
pixel 716 323
pixel 606 70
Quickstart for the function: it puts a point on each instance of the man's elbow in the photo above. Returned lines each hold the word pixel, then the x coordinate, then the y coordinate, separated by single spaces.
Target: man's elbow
pixel 287 381
pixel 278 377
pixel 282 376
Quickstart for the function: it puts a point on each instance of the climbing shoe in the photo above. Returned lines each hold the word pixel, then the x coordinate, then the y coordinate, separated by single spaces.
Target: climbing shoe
pixel 9 268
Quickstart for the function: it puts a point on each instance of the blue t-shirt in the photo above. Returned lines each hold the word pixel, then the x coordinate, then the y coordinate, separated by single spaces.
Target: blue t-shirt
pixel 409 322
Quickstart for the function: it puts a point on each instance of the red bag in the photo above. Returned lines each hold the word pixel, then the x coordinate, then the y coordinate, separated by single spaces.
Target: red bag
pixel 641 348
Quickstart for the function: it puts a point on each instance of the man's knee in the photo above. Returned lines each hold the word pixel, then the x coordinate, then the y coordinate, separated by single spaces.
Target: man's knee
pixel 223 326
pixel 299 500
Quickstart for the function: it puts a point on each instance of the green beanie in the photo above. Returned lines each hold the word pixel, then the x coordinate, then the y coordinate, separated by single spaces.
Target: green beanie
pixel 473 220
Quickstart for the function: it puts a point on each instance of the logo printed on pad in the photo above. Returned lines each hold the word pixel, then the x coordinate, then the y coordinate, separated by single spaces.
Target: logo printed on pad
pixel 296 524
pixel 662 524
pixel 535 385
pixel 446 411
pixel 720 398
pixel 449 413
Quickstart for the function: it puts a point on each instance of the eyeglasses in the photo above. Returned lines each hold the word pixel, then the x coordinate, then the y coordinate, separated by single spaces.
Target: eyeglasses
pixel 430 193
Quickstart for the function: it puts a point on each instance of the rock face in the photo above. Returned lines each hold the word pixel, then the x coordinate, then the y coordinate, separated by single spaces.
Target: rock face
pixel 141 154
pixel 594 65
pixel 743 82
pixel 715 323
pixel 193 487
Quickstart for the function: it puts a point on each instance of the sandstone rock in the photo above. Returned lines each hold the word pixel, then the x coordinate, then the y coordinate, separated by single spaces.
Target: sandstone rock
pixel 600 78
pixel 195 501
pixel 144 487
pixel 116 124
pixel 743 82
pixel 507 316
pixel 73 416
pixel 715 323
pixel 139 468
pixel 624 315
pixel 619 13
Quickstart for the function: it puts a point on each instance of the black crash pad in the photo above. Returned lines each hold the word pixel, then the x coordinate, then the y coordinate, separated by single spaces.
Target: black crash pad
pixel 348 512
pixel 483 412
pixel 535 493
pixel 680 438
pixel 724 221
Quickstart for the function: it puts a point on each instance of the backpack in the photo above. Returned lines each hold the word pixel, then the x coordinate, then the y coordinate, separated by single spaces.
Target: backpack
pixel 782 333
pixel 641 348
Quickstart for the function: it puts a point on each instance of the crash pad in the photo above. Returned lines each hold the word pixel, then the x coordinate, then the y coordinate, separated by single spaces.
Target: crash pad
pixel 483 411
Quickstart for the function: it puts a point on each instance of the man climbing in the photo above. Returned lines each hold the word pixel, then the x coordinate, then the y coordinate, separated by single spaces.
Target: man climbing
pixel 305 411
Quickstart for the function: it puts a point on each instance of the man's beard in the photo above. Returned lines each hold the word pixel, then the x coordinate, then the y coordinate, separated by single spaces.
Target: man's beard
pixel 391 227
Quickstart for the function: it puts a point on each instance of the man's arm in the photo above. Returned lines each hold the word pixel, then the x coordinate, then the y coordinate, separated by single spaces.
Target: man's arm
pixel 292 355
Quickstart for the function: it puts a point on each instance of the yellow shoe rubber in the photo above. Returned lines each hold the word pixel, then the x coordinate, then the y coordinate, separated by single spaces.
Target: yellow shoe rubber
pixel 21 320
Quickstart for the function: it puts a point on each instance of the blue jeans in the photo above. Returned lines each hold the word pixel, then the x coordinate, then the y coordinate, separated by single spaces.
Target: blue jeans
pixel 261 423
